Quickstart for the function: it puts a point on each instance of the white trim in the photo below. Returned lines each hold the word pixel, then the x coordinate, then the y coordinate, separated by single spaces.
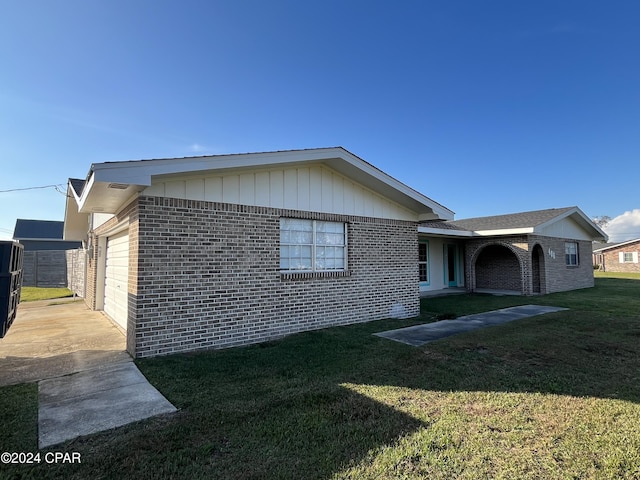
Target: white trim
pixel 584 221
pixel 504 231
pixel 634 257
pixel 119 227
pixel 314 246
pixel 138 175
pixel 617 245
pixel 445 232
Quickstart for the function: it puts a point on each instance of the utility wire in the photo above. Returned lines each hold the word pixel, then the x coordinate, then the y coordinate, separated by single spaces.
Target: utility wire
pixel 32 188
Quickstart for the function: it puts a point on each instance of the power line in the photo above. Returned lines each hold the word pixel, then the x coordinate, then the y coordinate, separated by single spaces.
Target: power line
pixel 33 188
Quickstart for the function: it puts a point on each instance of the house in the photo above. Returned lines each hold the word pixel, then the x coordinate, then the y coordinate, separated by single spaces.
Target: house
pixel 45 252
pixel 42 235
pixel 618 257
pixel 537 252
pixel 225 250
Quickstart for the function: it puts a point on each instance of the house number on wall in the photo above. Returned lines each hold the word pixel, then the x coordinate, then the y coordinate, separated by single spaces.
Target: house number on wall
pixel 552 254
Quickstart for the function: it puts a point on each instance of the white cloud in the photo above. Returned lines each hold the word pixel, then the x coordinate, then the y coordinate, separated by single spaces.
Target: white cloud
pixel 624 227
pixel 196 147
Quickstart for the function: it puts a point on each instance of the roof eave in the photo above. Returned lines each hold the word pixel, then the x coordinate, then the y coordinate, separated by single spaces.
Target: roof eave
pixel 504 231
pixel 581 219
pixel 134 176
pixel 445 232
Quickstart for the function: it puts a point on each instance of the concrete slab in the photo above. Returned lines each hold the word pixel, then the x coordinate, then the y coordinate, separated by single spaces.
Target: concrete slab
pixel 421 334
pixel 56 337
pixel 95 400
pixel 87 381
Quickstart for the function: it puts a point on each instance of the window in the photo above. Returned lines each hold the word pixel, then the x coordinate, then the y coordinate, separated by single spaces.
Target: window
pixel 423 262
pixel 628 257
pixel 312 245
pixel 571 254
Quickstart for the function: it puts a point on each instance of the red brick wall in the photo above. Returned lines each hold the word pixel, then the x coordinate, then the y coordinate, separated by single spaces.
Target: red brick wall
pixel 612 259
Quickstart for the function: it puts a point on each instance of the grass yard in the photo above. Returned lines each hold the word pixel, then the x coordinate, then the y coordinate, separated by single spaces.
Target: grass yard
pixel 31 294
pixel 555 396
pixel 631 275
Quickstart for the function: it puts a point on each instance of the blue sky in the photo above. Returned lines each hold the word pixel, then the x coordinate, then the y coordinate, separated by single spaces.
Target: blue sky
pixel 487 107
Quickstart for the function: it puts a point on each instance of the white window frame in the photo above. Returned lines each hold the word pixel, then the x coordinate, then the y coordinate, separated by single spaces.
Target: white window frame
pixel 425 262
pixel 569 255
pixel 628 257
pixel 314 246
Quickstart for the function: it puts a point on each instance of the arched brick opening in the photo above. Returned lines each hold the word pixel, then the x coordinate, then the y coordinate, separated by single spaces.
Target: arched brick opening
pixel 498 268
pixel 538 278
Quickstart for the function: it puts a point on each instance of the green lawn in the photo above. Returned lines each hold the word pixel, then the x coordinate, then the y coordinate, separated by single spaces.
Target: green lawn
pixel 555 396
pixel 598 274
pixel 31 294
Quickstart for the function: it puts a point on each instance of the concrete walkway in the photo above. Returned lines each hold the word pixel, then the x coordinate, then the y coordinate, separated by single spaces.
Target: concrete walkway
pixel 420 334
pixel 95 400
pixel 87 382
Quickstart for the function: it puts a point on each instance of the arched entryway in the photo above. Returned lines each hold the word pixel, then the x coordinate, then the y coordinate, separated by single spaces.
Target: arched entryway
pixel 498 268
pixel 537 270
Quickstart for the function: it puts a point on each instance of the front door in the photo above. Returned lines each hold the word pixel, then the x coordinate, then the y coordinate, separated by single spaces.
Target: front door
pixel 450 265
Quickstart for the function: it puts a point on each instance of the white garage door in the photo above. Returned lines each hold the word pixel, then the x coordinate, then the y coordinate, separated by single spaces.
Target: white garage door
pixel 116 278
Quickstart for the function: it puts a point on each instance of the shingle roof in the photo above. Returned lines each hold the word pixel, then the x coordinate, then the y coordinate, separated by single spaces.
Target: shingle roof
pixel 45 229
pixel 598 247
pixel 443 225
pixel 77 185
pixel 511 220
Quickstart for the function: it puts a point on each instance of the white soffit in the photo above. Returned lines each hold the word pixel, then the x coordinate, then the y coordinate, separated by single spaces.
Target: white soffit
pixel 444 232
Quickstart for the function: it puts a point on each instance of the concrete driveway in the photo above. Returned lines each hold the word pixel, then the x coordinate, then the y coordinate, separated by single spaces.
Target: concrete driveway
pixel 52 338
pixel 87 383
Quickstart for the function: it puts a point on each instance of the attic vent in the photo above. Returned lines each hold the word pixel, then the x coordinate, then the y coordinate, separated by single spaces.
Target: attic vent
pixel 119 186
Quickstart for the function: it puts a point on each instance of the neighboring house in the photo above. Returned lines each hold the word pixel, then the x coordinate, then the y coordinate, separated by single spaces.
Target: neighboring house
pixel 618 257
pixel 42 235
pixel 45 260
pixel 225 250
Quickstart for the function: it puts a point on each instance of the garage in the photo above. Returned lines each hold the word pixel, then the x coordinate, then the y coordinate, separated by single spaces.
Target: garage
pixel 116 278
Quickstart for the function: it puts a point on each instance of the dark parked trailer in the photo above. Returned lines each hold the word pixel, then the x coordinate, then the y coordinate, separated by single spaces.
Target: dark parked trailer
pixel 11 255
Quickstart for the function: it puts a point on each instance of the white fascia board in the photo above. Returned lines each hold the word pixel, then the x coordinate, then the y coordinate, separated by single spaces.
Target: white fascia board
pixel 85 191
pixel 445 232
pixel 581 219
pixel 140 173
pixel 617 245
pixel 75 223
pixel 72 190
pixel 505 231
pixel 442 212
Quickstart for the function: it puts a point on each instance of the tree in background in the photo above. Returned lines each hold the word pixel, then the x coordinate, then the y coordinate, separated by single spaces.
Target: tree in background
pixel 601 221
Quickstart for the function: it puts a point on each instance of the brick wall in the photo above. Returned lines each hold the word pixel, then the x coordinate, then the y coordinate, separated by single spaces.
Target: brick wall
pixel 76 260
pixel 129 214
pixel 498 268
pixel 612 259
pixel 507 263
pixel 208 277
pixel 560 276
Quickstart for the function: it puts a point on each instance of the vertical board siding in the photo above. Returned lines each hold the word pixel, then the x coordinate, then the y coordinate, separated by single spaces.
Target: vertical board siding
pixel 316 188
